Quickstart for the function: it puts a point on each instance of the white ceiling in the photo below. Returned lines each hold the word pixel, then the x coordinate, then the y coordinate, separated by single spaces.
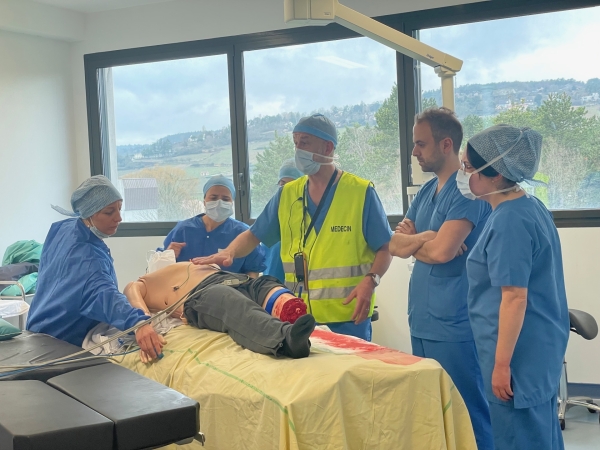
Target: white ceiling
pixel 89 6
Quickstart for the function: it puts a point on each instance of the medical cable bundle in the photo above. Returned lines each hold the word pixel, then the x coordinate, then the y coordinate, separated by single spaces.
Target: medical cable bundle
pixel 74 356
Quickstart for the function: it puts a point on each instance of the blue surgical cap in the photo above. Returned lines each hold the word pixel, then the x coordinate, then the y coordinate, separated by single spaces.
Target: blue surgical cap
pixel 318 125
pixel 289 170
pixel 220 180
pixel 91 196
pixel 521 162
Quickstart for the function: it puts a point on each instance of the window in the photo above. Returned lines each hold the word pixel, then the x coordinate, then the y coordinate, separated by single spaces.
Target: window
pixel 534 71
pixel 162 119
pixel 168 130
pixel 353 83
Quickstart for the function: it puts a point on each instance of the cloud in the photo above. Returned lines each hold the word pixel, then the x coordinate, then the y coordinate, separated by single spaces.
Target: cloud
pixel 319 75
pixel 335 60
pixel 156 99
pixel 537 47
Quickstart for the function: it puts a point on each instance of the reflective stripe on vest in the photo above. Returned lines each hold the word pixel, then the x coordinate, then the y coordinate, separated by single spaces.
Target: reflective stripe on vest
pixel 338 257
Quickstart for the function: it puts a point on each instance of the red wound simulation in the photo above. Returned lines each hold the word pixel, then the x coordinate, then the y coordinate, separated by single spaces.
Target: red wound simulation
pixel 292 310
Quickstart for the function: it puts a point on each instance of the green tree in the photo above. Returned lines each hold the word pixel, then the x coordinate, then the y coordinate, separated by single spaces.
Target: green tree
pixel 570 148
pixel 373 153
pixel 266 171
pixel 356 151
pixel 593 86
pixel 472 125
pixel 517 115
pixel 160 148
pixel 387 120
pixel 427 103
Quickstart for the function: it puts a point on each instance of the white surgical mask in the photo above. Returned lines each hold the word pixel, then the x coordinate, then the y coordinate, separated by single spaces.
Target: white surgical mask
pixel 462 183
pixel 306 164
pixel 463 177
pixel 97 232
pixel 219 210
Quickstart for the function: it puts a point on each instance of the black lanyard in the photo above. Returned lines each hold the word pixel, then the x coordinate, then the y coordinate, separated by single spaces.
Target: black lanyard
pixel 313 220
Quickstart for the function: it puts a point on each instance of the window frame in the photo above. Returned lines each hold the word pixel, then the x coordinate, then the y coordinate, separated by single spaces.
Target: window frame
pixel 235 46
pixel 493 10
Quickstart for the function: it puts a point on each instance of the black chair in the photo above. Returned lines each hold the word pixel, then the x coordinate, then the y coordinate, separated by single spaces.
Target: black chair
pixel 584 325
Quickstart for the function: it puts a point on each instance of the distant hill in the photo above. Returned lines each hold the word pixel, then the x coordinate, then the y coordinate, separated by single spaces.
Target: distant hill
pixel 260 129
pixel 478 99
pixel 491 98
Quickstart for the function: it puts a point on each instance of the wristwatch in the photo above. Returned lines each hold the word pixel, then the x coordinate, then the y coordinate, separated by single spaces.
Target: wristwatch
pixel 376 279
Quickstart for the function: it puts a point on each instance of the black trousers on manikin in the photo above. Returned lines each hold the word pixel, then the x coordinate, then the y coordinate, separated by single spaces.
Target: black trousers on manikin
pixel 236 309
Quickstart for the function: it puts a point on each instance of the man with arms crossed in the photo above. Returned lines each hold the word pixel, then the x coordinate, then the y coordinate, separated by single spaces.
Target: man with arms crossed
pixel 438 230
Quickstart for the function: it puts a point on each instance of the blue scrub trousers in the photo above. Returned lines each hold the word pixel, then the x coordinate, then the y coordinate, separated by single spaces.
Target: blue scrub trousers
pixel 535 428
pixel 363 330
pixel 460 360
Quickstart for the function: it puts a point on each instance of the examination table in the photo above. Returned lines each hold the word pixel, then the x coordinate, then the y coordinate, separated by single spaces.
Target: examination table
pixel 91 404
pixel 348 394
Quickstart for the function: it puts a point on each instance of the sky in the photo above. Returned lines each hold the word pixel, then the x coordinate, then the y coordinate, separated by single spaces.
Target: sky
pixel 157 99
pixel 539 47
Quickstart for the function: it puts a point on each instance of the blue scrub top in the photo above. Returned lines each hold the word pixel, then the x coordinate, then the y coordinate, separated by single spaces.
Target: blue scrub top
pixel 376 228
pixel 437 293
pixel 274 264
pixel 77 286
pixel 200 242
pixel 519 246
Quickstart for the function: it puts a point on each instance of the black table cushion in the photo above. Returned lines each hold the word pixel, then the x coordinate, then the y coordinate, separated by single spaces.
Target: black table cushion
pixel 34 416
pixel 145 413
pixel 36 348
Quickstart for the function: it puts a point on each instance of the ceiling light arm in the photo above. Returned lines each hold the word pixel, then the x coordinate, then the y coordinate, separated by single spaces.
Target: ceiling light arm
pixel 322 12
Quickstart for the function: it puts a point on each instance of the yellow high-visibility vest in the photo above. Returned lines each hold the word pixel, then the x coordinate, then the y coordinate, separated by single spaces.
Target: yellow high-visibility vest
pixel 338 258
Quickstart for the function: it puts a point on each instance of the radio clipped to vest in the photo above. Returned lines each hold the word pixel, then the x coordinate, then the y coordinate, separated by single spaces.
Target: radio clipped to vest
pixel 301 269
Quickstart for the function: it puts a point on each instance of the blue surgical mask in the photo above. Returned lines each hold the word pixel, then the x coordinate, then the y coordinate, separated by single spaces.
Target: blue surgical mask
pixel 306 164
pixel 219 210
pixel 97 232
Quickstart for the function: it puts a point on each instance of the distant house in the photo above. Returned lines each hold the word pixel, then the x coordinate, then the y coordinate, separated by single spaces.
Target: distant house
pixel 504 92
pixel 510 105
pixel 140 199
pixel 591 98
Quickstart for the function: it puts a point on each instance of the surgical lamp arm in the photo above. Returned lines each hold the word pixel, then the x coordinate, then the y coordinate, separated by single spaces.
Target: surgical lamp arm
pixel 445 65
pixel 322 12
pixel 394 39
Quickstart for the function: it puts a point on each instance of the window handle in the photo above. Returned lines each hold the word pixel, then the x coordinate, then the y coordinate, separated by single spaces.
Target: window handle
pixel 241 184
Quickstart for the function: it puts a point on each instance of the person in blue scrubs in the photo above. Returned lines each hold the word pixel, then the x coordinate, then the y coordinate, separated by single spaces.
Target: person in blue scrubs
pixel 77 285
pixel 439 230
pixel 315 138
pixel 213 231
pixel 288 172
pixel 517 301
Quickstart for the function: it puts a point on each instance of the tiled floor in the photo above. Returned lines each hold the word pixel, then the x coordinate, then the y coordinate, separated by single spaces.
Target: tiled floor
pixel 582 430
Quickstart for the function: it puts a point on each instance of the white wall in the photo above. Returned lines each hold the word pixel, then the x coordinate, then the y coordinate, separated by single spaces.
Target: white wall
pixel 36 130
pixel 581 249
